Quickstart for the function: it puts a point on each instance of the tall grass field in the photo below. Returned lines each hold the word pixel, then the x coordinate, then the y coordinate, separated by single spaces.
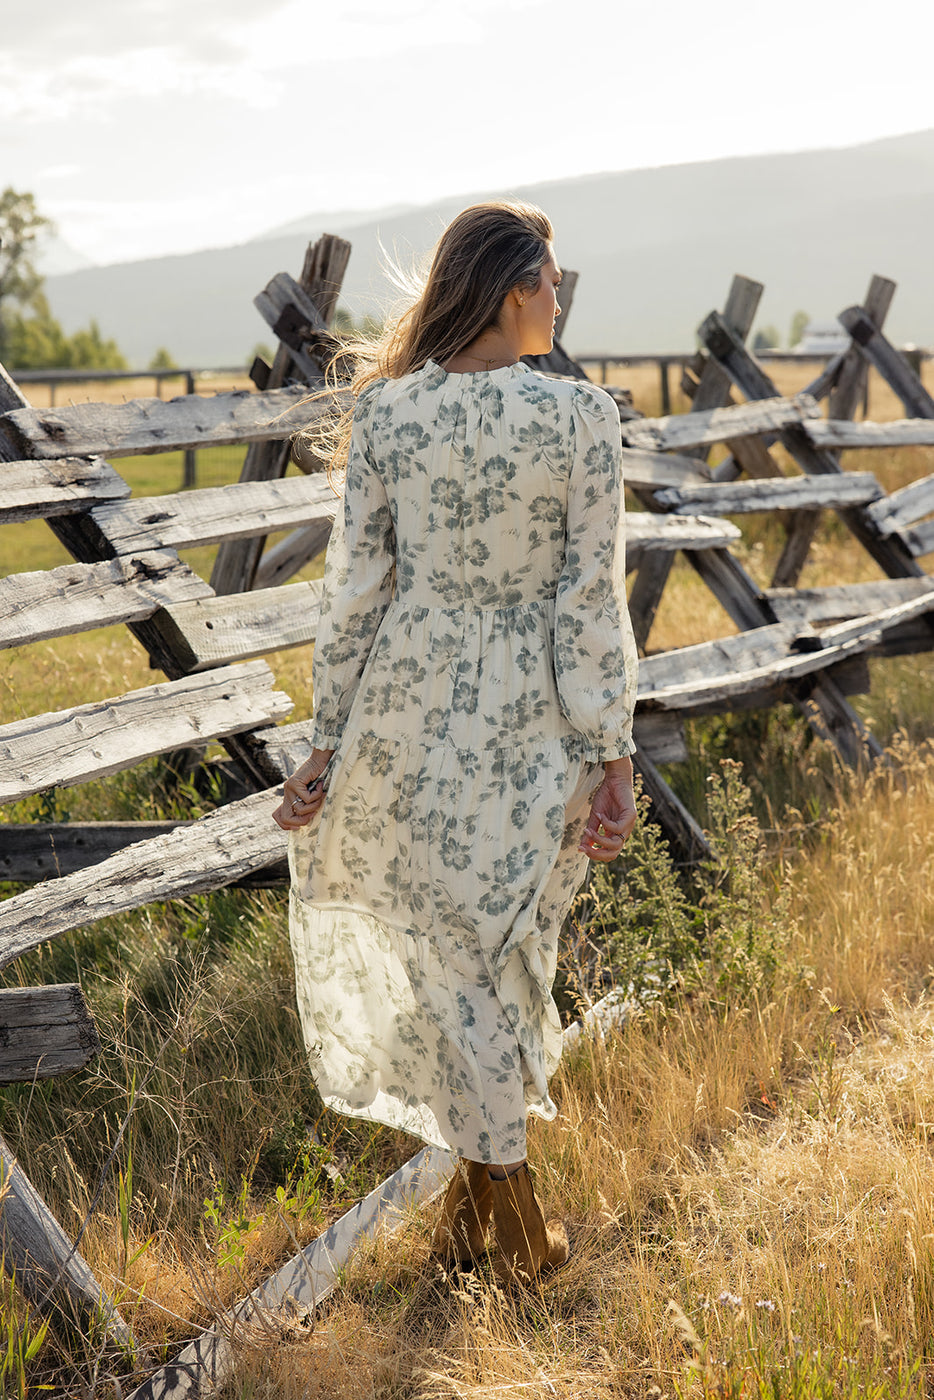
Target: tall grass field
pixel 745 1166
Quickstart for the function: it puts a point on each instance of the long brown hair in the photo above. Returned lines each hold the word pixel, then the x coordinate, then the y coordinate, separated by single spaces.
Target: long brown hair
pixel 486 251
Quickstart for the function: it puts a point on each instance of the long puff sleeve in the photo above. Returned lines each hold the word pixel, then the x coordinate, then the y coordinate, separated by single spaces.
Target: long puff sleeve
pixel 595 652
pixel 358 584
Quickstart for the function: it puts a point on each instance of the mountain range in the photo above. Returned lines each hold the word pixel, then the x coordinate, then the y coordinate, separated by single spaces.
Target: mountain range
pixel 655 250
pixel 55 256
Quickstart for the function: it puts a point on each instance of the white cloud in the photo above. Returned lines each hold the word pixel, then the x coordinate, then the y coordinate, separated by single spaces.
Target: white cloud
pixel 123 230
pixel 200 122
pixel 59 172
pixel 166 48
pixel 90 86
pixel 325 40
pixel 44 35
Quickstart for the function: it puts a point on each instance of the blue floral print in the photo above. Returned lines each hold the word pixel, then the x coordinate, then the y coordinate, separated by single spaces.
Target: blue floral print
pixel 474 665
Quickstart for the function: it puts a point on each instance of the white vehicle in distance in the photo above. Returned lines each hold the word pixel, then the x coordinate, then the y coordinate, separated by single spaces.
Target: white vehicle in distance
pixel 822 338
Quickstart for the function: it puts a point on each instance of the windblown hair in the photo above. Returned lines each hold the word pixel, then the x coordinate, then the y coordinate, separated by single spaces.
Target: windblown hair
pixel 488 250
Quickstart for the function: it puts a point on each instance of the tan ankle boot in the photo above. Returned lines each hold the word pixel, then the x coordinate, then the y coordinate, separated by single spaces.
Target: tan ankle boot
pixel 526 1244
pixel 460 1235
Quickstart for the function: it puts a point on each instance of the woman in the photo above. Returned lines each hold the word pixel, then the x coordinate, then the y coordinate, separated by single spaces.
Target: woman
pixel 474 680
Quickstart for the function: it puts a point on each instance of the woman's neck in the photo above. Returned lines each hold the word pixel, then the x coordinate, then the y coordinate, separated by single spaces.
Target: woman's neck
pixel 490 350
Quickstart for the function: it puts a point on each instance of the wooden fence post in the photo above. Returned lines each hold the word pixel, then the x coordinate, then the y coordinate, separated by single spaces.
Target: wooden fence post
pixel 190 469
pixel 711 391
pixel 684 835
pixel 850 385
pixel 322 274
pixel 891 364
pixel 713 388
pixel 890 551
pixel 48 1269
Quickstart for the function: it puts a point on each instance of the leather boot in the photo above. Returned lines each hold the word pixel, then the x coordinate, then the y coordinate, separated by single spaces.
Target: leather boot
pixel 460 1235
pixel 527 1245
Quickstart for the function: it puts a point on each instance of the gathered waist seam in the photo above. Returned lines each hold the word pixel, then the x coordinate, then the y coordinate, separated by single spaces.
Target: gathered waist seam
pixel 405 602
pixel 572 744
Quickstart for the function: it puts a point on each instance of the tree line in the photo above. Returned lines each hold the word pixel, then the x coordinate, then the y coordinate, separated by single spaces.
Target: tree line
pixel 30 336
pixel 768 338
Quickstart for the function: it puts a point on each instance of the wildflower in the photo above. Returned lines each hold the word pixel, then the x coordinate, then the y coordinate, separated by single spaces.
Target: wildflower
pixel 766 1305
pixel 729 1300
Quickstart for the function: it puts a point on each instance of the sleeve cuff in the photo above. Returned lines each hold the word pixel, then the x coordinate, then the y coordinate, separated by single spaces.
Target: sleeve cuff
pixel 320 740
pixel 622 749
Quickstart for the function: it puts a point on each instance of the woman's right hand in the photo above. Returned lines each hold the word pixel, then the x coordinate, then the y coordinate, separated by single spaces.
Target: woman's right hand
pixel 303 794
pixel 613 813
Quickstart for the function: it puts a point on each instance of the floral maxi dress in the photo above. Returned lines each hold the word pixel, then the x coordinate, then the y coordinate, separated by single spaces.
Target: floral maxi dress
pixel 474 665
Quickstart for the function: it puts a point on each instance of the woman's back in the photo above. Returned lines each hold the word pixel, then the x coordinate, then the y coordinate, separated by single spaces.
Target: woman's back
pixel 476 470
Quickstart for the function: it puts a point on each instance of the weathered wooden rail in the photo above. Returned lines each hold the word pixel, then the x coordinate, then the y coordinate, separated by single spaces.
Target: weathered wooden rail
pixel 602 363
pixel 209 637
pixel 126 569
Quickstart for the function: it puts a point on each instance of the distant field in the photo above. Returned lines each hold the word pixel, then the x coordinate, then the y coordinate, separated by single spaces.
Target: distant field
pixel 644 382
pixel 122 390
pixel 641 379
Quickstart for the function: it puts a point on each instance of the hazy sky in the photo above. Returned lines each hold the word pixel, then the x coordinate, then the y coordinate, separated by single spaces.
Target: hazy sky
pixel 158 126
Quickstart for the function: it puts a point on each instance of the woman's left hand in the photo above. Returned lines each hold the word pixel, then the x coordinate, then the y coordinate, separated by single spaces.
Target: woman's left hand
pixel 613 813
pixel 303 795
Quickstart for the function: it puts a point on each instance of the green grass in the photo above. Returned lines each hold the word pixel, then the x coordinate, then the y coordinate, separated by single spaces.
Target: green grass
pixel 89 666
pixel 31 545
pixel 201 1130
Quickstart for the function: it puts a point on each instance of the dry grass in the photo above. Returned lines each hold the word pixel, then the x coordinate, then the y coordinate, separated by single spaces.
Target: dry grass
pixel 746 1186
pixel 745 1177
pixel 644 383
pixel 144 386
pixel 722 1152
pixel 768 1232
pixel 690 613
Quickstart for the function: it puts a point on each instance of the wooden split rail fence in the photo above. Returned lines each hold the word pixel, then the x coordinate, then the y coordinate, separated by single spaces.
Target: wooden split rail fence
pixel 209 636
